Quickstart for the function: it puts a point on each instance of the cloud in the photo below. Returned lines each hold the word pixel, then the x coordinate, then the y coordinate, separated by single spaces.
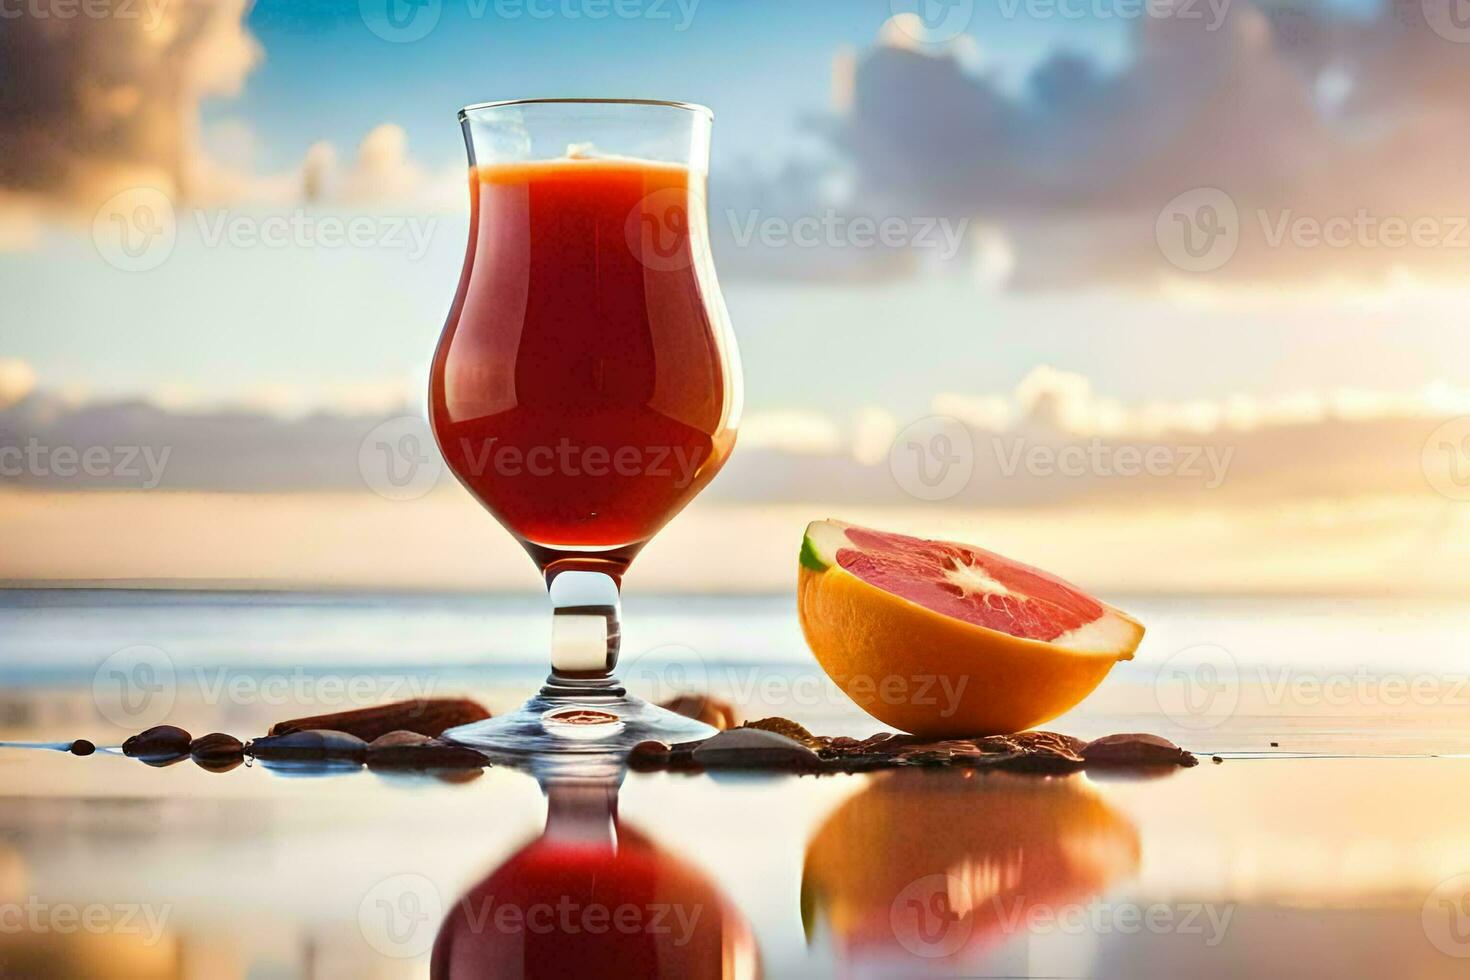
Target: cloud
pixel 17 380
pixel 791 431
pixel 1303 117
pixel 91 105
pixel 1052 440
pixel 383 172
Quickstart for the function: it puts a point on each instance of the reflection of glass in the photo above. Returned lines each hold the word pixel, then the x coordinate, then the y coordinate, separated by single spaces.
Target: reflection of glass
pixel 586 385
pixel 929 870
pixel 592 898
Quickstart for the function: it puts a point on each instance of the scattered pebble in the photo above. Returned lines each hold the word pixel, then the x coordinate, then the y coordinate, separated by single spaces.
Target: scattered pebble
pixel 782 744
pixel 651 754
pixel 1275 745
pixel 754 748
pixel 309 746
pixel 411 750
pixel 158 744
pixel 712 711
pixel 1135 750
pixel 1216 759
pixel 426 716
pixel 81 747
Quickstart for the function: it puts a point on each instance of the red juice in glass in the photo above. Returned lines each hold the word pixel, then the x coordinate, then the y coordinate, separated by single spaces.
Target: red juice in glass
pixel 580 390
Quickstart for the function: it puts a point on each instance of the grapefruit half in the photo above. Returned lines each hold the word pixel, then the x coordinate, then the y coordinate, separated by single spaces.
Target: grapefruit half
pixel 948 640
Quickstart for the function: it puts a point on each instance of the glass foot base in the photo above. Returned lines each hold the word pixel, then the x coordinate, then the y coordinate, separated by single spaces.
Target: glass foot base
pixel 590 725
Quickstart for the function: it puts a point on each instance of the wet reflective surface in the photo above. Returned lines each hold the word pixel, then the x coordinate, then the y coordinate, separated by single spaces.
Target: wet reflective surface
pixel 1313 867
pixel 1342 851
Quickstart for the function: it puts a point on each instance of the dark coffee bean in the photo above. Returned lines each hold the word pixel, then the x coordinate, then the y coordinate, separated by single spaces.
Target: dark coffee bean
pixel 217 747
pixel 158 743
pixel 82 747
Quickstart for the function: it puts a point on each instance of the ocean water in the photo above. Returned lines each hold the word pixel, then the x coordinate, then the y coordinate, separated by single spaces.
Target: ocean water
pixel 1220 674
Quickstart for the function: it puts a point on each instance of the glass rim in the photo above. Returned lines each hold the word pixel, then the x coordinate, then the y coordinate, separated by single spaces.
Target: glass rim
pixel 694 107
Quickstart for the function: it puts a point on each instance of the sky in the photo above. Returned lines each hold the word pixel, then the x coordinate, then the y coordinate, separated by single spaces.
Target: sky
pixel 1236 225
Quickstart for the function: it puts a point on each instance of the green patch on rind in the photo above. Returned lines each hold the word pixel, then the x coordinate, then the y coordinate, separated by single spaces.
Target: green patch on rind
pixel 809 558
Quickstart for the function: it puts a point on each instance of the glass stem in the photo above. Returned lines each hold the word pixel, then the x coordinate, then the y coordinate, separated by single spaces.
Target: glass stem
pixel 586 632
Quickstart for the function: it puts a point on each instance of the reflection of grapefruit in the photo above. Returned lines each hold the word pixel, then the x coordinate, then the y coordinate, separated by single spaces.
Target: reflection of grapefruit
pixel 928 866
pixel 948 640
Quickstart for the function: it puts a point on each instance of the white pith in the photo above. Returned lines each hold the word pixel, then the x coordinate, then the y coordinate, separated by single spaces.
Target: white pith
pixel 972 580
pixel 1108 635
